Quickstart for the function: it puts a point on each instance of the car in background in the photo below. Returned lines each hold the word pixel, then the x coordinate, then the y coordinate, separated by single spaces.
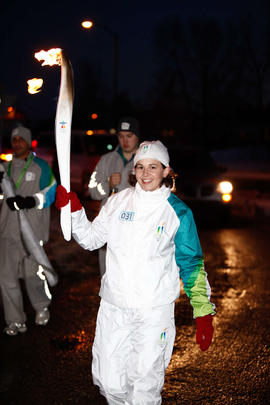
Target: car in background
pixel 86 149
pixel 201 184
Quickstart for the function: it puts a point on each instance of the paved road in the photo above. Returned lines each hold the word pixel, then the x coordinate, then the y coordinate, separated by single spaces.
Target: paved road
pixel 51 365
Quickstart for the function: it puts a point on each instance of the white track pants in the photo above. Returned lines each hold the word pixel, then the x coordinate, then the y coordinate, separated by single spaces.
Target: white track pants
pixel 131 351
pixel 15 264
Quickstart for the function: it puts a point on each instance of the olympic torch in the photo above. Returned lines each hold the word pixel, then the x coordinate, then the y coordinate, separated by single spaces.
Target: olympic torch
pixel 62 125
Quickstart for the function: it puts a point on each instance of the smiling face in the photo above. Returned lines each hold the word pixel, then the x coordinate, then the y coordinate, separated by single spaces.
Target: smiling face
pixel 150 173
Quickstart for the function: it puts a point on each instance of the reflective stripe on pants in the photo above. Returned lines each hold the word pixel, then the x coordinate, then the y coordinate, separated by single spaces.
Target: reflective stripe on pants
pixel 15 264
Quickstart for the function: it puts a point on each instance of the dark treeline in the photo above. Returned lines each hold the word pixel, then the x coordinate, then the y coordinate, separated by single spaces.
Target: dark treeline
pixel 211 85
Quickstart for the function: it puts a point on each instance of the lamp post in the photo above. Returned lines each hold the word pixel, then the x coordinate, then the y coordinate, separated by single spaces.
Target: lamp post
pixel 89 24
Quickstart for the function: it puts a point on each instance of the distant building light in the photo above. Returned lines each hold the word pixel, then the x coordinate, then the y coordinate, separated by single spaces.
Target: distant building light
pixel 112 131
pixel 10 109
pixel 94 116
pixel 96 132
pixel 168 132
pixel 109 146
pixel 34 143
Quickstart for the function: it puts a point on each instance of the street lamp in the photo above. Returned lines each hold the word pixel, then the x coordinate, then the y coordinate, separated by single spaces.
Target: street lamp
pixel 89 24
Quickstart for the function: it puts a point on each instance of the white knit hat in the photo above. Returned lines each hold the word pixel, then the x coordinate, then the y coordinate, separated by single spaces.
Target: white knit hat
pixel 152 150
pixel 24 133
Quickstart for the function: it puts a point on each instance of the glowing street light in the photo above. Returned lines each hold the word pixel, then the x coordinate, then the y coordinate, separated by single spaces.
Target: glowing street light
pixel 87 24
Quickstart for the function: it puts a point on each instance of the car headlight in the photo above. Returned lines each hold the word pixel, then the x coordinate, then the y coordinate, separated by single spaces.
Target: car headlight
pixel 6 156
pixel 226 198
pixel 225 187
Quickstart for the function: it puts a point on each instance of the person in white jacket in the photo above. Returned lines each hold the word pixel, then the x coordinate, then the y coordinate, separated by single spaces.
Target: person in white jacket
pixel 151 239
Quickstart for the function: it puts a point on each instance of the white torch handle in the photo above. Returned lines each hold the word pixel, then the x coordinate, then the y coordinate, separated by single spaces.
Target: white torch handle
pixel 63 137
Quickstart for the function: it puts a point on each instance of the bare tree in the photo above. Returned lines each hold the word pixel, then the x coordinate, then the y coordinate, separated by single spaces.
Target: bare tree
pixel 200 67
pixel 257 73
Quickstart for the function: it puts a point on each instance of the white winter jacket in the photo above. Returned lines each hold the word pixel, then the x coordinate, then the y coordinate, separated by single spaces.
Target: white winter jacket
pixel 150 236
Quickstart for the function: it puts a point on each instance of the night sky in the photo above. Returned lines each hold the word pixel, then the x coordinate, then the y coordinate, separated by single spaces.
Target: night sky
pixel 29 26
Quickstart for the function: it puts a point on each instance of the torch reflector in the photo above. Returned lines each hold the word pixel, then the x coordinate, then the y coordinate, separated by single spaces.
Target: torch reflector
pixel 34 85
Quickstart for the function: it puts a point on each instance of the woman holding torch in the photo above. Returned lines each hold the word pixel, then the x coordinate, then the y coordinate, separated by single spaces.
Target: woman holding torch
pixel 151 240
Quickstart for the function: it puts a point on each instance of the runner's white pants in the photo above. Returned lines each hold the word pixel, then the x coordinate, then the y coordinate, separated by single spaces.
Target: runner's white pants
pixel 131 351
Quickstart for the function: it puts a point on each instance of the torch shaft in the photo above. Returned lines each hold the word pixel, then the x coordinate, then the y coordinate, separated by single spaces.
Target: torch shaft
pixel 63 137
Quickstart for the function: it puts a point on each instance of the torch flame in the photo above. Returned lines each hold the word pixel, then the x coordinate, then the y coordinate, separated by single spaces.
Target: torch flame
pixel 34 85
pixel 51 57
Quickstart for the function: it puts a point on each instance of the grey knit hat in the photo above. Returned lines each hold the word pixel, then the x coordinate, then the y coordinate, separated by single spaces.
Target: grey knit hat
pixel 24 133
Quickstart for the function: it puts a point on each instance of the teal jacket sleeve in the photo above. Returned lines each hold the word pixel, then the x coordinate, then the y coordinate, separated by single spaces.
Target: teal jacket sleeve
pixel 47 182
pixel 189 259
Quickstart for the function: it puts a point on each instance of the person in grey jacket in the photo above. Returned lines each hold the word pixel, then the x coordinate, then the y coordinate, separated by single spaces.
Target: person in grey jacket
pixel 112 172
pixel 35 191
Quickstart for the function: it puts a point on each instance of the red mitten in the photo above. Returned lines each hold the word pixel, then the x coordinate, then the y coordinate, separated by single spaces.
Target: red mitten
pixel 63 197
pixel 75 202
pixel 204 331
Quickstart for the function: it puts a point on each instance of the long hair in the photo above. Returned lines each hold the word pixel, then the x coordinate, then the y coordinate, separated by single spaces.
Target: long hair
pixel 168 181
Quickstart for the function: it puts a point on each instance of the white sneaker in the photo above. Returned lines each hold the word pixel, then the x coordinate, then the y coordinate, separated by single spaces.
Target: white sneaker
pixel 13 328
pixel 42 317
